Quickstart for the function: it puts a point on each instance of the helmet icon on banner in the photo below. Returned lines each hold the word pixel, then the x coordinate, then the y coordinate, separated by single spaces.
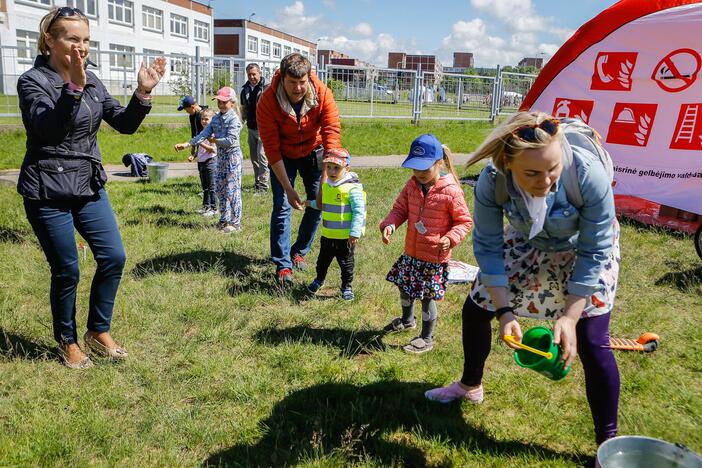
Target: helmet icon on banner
pixel 677 70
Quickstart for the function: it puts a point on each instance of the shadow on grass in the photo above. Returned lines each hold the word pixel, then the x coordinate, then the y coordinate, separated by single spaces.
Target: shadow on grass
pixel 685 281
pixel 229 264
pixel 165 221
pixel 160 209
pixel 352 424
pixel 350 343
pixel 247 275
pixel 18 346
pixel 14 236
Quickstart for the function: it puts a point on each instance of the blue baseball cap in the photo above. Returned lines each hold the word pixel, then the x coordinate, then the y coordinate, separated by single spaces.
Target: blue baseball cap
pixel 187 101
pixel 425 151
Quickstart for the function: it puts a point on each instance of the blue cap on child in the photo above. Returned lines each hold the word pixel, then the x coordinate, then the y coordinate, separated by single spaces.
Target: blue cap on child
pixel 187 101
pixel 425 151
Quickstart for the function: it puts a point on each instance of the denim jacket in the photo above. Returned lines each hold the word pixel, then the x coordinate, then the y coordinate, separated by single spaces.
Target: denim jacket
pixel 225 127
pixel 587 230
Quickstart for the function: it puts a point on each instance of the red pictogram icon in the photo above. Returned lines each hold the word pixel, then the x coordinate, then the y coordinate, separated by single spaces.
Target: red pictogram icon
pixel 631 123
pixel 688 130
pixel 677 70
pixel 613 71
pixel 575 108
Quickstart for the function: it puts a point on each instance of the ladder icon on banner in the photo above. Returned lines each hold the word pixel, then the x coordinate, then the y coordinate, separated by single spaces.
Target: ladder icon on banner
pixel 687 128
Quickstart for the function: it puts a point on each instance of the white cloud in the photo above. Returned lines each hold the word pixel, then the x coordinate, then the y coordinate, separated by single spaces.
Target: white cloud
pixel 329 4
pixel 472 36
pixel 364 29
pixel 293 20
pixel 526 30
pixel 372 49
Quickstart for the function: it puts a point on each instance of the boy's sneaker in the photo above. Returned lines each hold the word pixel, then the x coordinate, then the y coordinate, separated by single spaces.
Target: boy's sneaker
pixel 455 392
pixel 202 210
pixel 397 325
pixel 314 286
pixel 209 213
pixel 418 345
pixel 298 262
pixel 347 294
pixel 284 276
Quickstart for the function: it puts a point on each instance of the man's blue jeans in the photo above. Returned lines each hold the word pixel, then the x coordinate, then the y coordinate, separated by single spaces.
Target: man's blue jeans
pixel 281 251
pixel 53 223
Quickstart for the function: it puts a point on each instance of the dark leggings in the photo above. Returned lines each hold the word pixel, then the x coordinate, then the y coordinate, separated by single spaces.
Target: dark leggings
pixel 601 372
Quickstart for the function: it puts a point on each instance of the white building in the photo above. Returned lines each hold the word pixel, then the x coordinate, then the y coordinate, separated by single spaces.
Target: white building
pixel 121 32
pixel 247 41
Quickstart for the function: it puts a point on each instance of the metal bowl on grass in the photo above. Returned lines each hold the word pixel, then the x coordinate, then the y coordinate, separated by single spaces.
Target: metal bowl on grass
pixel 639 451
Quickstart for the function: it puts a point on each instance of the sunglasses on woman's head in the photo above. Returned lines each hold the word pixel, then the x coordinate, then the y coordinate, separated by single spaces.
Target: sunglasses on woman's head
pixel 64 12
pixel 528 132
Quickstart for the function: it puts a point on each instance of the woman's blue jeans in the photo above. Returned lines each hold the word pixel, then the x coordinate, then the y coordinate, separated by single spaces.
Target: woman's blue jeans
pixel 54 223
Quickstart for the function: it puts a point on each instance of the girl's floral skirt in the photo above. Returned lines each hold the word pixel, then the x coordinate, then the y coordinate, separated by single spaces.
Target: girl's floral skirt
pixel 538 280
pixel 419 279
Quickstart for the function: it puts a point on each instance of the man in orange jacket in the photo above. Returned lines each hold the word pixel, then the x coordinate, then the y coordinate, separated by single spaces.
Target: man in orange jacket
pixel 297 119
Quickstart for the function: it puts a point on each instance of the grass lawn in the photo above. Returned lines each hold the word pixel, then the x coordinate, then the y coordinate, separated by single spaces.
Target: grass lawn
pixel 361 137
pixel 226 368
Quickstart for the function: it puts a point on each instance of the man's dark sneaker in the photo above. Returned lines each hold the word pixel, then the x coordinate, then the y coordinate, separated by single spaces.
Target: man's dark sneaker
pixel 284 276
pixel 298 262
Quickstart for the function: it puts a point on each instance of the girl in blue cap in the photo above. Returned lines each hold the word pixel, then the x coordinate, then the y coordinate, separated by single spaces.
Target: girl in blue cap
pixel 438 219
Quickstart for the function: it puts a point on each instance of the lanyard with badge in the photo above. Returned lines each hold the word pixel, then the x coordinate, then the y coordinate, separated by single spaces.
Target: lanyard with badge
pixel 419 225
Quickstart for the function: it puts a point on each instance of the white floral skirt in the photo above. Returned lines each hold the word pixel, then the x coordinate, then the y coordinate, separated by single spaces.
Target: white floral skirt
pixel 538 280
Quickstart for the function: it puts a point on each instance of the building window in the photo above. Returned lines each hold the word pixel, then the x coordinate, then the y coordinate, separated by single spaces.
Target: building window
pixel 39 2
pixel 180 64
pixel 86 6
pixel 305 54
pixel 252 44
pixel 265 47
pixel 150 55
pixel 296 50
pixel 286 51
pixel 95 52
pixel 120 11
pixel 179 25
pixel 152 19
pixel 201 30
pixel 26 44
pixel 276 50
pixel 123 59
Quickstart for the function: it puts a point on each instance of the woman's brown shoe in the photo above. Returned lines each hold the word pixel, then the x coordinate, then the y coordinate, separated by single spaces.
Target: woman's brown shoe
pixel 95 346
pixel 83 363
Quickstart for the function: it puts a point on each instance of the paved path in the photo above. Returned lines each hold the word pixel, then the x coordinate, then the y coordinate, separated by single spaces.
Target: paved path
pixel 186 169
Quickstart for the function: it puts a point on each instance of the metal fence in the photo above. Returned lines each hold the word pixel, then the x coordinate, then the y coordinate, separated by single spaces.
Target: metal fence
pixel 360 92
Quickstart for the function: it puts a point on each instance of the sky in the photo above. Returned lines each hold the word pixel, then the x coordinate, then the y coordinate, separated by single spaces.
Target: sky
pixel 496 31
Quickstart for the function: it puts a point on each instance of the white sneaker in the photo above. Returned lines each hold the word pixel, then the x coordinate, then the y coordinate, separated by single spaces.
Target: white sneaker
pixel 228 229
pixel 209 213
pixel 202 211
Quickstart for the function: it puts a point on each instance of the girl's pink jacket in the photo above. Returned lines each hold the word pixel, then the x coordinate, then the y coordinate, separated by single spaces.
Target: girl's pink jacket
pixel 443 212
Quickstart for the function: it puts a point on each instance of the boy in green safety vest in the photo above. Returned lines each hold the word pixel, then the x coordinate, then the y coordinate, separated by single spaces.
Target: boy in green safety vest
pixel 343 220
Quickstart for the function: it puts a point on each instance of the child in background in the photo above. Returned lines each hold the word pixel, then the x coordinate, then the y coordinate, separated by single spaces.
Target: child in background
pixel 224 131
pixel 438 219
pixel 207 168
pixel 343 220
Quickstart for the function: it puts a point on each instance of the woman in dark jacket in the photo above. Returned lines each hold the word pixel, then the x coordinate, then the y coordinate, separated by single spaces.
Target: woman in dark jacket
pixel 62 179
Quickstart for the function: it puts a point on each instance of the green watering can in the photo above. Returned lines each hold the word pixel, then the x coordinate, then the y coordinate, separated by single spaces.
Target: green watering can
pixel 538 352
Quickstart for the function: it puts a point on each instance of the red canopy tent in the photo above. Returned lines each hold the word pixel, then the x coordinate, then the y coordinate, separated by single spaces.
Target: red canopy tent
pixel 632 73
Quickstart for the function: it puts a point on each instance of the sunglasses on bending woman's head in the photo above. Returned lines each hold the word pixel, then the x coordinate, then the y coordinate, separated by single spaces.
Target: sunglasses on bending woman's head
pixel 64 12
pixel 528 132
